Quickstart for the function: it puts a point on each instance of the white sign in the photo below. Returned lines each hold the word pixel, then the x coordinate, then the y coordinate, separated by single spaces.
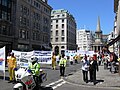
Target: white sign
pixel 90 53
pixel 70 53
pixel 23 58
pixel 2 60
pixel 44 57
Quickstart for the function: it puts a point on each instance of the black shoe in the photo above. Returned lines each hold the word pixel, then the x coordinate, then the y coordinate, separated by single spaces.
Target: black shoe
pixel 86 81
pixel 10 81
pixel 14 82
pixel 94 83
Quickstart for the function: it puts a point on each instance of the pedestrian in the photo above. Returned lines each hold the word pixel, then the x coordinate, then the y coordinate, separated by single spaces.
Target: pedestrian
pixel 58 58
pixel 93 67
pixel 62 65
pixel 12 64
pixel 85 68
pixel 53 61
pixel 71 59
pixel 105 61
pixel 113 60
pixel 76 58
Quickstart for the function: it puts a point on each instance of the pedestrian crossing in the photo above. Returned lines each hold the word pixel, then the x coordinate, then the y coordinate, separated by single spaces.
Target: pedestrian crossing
pixel 56 84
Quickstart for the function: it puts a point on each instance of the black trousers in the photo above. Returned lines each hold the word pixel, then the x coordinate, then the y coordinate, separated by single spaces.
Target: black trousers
pixel 85 76
pixel 62 71
pixel 93 76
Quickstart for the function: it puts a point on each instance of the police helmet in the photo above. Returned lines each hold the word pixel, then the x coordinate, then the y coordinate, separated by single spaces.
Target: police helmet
pixel 33 59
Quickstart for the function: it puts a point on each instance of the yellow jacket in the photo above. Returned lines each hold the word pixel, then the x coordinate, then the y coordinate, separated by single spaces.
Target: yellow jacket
pixel 63 62
pixel 12 62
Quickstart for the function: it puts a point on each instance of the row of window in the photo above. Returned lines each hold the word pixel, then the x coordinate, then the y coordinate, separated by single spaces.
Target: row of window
pixel 57 39
pixel 57 26
pixel 24 34
pixel 57 33
pixel 24 21
pixel 6 3
pixel 24 10
pixel 5 30
pixel 5 15
pixel 57 21
pixel 39 6
pixel 59 15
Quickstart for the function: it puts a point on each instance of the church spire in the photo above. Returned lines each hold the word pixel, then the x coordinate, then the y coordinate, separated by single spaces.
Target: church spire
pixel 98 29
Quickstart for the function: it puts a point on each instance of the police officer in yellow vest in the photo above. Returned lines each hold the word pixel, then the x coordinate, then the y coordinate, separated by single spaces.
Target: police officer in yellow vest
pixel 34 67
pixel 62 65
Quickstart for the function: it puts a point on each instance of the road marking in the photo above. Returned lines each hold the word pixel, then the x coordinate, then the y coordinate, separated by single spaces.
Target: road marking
pixel 58 83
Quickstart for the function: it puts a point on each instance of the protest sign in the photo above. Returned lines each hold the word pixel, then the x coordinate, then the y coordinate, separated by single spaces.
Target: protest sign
pixel 2 60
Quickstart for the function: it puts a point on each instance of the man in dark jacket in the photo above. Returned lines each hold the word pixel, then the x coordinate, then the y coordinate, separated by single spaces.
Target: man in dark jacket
pixel 92 69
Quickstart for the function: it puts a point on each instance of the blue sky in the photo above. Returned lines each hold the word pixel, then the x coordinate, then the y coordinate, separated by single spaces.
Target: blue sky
pixel 86 12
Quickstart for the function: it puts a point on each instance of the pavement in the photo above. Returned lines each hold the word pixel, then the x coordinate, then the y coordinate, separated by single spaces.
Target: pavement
pixel 105 79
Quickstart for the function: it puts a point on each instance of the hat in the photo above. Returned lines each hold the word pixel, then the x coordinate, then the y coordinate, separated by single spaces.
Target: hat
pixel 33 59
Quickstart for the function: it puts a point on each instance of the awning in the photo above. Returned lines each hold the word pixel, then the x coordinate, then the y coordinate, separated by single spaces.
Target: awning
pixel 114 40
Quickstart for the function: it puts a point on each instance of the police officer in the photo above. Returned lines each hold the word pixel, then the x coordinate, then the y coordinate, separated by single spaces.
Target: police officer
pixel 34 66
pixel 62 65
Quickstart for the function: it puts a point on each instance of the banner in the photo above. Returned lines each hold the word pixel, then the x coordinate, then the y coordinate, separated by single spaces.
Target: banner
pixel 70 53
pixel 90 53
pixel 44 57
pixel 2 60
pixel 23 58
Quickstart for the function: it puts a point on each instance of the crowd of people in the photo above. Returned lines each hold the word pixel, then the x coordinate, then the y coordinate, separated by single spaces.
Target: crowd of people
pixel 90 64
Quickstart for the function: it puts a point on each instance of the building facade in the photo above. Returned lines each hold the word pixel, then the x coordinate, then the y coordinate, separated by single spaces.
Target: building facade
pixel 63 31
pixel 29 24
pixel 115 41
pixel 6 23
pixel 84 40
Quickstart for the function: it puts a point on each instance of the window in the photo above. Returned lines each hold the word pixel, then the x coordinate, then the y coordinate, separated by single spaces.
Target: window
pixel 62 32
pixel 62 39
pixel 63 15
pixel 4 29
pixel 51 33
pixel 58 15
pixel 51 39
pixel 56 26
pixel 4 15
pixel 51 26
pixel 56 39
pixel 24 21
pixel 62 25
pixel 22 47
pixel 23 34
pixel 62 47
pixel 4 2
pixel 62 20
pixel 56 32
pixel 56 21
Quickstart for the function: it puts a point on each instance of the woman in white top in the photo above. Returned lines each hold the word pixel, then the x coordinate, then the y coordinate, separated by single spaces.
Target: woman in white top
pixel 85 67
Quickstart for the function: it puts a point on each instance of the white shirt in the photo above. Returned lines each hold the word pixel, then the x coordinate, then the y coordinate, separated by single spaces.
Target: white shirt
pixel 85 65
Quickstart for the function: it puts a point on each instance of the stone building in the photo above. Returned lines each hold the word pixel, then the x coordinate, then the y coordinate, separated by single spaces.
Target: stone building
pixel 84 40
pixel 25 24
pixel 63 31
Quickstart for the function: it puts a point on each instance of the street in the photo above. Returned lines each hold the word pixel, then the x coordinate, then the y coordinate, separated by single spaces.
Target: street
pixel 55 82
